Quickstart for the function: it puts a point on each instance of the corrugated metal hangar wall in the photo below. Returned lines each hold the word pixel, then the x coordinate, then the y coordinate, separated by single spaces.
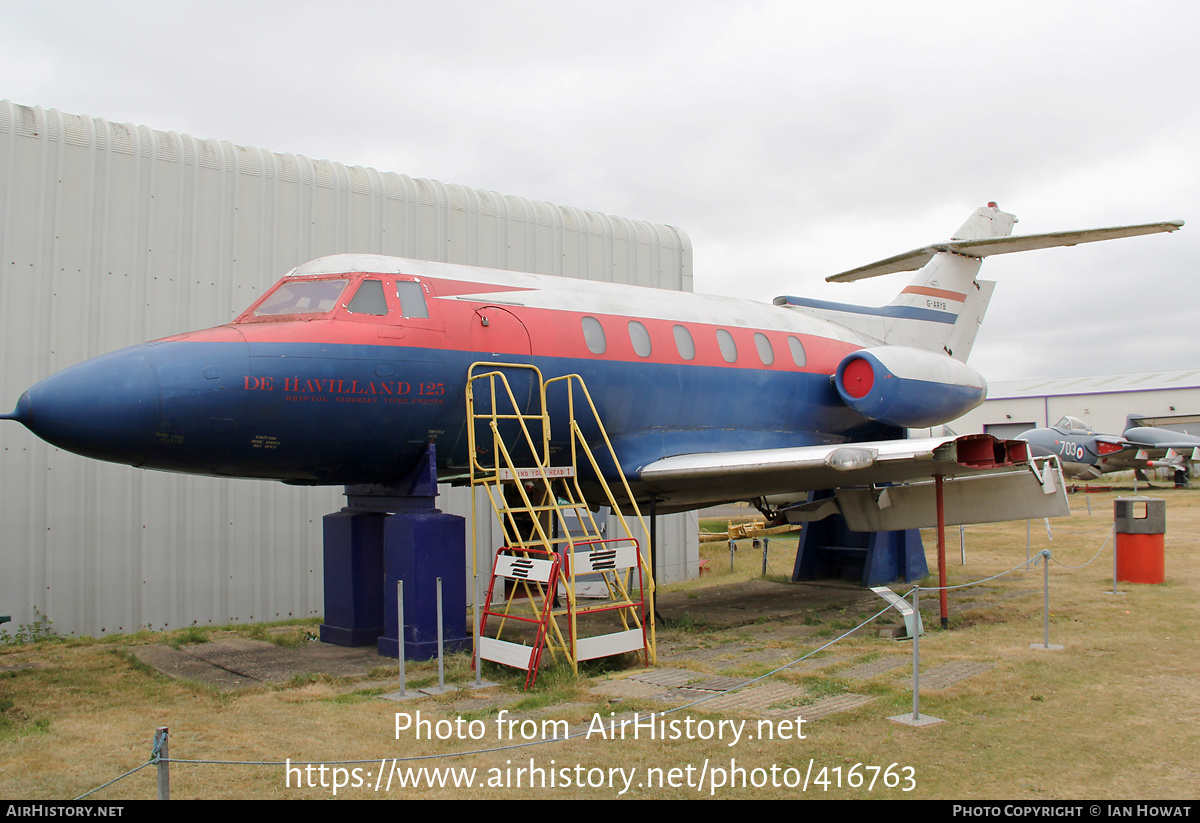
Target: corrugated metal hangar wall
pixel 111 235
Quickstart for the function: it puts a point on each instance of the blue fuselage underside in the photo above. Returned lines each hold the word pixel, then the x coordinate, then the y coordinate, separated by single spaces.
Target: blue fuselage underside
pixel 342 414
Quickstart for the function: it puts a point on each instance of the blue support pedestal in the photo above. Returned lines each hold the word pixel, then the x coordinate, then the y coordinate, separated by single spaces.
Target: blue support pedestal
pixel 420 547
pixel 390 533
pixel 828 549
pixel 353 578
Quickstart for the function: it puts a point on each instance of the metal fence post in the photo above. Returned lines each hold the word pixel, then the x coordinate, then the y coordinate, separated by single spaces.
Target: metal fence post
pixel 917 658
pixel 441 646
pixel 162 758
pixel 1045 644
pixel 400 628
pixel 915 719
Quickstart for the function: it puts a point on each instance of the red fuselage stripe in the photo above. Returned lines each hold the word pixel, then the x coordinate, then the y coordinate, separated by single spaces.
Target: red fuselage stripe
pixel 457 324
pixel 928 292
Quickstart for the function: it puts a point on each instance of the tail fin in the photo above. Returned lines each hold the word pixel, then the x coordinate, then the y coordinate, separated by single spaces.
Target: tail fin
pixel 942 308
pixel 945 303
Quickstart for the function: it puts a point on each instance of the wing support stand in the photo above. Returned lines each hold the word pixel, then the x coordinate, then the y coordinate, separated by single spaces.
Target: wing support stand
pixel 943 599
pixel 829 549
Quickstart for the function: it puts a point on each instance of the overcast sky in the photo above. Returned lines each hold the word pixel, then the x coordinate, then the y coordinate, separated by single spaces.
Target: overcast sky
pixel 790 140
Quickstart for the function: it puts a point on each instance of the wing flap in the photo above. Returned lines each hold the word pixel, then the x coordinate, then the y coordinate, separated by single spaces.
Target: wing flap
pixel 989 497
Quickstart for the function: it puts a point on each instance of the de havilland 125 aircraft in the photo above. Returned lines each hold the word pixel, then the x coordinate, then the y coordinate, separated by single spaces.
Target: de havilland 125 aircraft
pixel 344 371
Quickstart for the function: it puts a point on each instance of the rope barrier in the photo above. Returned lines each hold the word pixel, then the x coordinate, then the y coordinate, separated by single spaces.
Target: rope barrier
pixel 1111 531
pixel 973 582
pixel 122 777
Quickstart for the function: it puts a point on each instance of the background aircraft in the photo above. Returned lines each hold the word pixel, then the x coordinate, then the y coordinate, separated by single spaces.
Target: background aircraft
pixel 347 368
pixel 1087 455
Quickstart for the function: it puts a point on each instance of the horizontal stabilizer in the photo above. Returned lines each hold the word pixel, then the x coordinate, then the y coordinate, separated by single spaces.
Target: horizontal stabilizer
pixel 983 247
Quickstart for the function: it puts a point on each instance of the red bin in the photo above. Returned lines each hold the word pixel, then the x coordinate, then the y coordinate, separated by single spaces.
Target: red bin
pixel 1140 523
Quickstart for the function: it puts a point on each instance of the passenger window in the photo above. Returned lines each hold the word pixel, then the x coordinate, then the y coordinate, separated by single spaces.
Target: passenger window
pixel 684 343
pixel 797 349
pixel 728 346
pixel 593 335
pixel 412 299
pixel 765 353
pixel 640 338
pixel 369 299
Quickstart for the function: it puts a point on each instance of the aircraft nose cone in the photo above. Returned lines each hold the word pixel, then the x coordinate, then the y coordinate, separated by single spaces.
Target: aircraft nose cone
pixel 106 408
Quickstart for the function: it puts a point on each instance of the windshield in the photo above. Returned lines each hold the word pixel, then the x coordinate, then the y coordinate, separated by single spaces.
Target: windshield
pixel 302 297
pixel 1071 424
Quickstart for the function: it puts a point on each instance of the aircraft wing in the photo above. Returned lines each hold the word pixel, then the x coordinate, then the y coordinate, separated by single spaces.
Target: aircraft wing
pixel 1179 446
pixel 685 481
pixel 1154 440
pixel 983 247
pixel 1183 446
pixel 1128 460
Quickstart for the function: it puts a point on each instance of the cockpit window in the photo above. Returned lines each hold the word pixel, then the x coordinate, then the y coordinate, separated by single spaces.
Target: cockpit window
pixel 302 297
pixel 1071 423
pixel 369 299
pixel 412 298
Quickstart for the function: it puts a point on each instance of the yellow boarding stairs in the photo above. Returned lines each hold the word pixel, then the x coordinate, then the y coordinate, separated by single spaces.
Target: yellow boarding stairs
pixel 552 540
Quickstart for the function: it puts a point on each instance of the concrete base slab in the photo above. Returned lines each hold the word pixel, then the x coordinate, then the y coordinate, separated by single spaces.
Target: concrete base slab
pixel 761 700
pixel 865 671
pixel 1042 647
pixel 239 662
pixel 436 690
pixel 178 664
pixel 718 684
pixel 920 720
pixel 947 674
pixel 668 678
pixel 832 704
pixel 626 689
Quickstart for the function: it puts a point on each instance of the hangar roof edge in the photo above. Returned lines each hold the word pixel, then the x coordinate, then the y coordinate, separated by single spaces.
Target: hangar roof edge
pixel 1096 384
pixel 135 139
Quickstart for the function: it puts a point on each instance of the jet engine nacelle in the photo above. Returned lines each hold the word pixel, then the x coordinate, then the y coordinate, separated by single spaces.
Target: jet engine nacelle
pixel 907 387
